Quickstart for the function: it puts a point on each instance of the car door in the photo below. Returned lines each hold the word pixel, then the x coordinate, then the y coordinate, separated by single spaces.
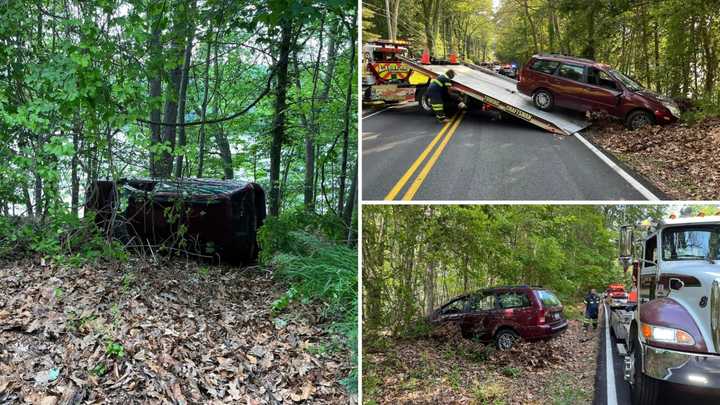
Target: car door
pixel 453 311
pixel 602 91
pixel 569 86
pixel 516 309
pixel 478 318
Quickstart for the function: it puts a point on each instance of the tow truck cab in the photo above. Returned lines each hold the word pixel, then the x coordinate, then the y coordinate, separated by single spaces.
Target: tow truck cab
pixel 616 295
pixel 674 333
pixel 385 76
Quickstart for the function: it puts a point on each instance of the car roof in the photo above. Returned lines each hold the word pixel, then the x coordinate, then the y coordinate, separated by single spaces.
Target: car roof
pixel 566 58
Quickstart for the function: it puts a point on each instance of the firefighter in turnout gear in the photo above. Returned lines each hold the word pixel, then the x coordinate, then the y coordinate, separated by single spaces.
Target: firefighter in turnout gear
pixel 439 92
pixel 592 305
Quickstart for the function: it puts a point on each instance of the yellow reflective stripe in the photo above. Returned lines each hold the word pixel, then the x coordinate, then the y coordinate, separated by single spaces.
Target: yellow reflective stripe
pixel 436 81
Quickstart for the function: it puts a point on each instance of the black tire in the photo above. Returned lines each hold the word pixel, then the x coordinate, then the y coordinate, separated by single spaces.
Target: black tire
pixel 645 390
pixel 638 119
pixel 505 339
pixel 425 103
pixel 543 100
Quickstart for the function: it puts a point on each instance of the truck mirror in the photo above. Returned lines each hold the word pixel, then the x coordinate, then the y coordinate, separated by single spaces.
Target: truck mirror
pixel 625 247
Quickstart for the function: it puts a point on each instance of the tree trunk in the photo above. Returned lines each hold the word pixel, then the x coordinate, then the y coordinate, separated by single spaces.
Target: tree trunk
pixel 184 78
pixel 203 107
pixel 225 153
pixel 346 130
pixel 74 177
pixel 281 70
pixel 155 79
pixel 350 206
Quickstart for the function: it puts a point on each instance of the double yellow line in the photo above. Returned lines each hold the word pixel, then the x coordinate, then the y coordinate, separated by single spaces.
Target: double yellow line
pixel 448 133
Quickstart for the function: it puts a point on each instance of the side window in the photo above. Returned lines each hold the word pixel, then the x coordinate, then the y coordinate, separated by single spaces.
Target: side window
pixel 545 66
pixel 601 78
pixel 651 250
pixel 572 72
pixel 483 302
pixel 455 307
pixel 513 300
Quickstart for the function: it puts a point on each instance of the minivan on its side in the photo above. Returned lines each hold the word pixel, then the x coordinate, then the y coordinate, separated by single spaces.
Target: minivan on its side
pixel 585 85
pixel 505 314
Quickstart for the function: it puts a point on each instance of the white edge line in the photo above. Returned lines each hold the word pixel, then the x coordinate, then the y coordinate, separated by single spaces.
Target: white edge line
pixel 630 179
pixel 376 113
pixel 609 363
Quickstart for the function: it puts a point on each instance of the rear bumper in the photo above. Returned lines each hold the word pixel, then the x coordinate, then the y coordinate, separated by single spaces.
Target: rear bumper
pixel 546 331
pixel 693 369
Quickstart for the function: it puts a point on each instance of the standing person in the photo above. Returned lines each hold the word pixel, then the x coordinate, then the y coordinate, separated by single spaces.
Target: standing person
pixel 592 304
pixel 439 92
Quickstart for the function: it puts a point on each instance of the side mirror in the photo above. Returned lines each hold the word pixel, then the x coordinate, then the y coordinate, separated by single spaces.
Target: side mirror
pixel 625 245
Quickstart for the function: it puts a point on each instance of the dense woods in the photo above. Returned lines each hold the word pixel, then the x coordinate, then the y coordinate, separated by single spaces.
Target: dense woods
pixel 416 258
pixel 258 91
pixel 672 46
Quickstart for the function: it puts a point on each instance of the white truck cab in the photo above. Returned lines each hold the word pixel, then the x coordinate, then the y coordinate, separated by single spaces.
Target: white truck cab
pixel 674 333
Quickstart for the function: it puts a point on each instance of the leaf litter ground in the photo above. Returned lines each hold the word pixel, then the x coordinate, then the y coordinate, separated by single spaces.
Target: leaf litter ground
pixel 173 333
pixel 446 368
pixel 681 160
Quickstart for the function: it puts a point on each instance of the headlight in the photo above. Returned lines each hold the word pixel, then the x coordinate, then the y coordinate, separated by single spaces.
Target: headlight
pixel 672 107
pixel 662 334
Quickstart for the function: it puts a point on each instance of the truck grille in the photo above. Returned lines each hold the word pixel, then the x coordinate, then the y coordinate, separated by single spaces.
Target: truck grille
pixel 715 313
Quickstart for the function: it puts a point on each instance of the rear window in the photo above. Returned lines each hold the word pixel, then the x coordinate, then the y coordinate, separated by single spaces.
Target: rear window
pixel 572 72
pixel 548 299
pixel 545 66
pixel 513 300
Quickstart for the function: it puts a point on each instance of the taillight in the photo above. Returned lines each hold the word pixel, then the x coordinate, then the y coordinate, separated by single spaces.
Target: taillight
pixel 541 317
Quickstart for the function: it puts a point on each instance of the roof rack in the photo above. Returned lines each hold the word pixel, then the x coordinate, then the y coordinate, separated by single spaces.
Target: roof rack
pixel 560 55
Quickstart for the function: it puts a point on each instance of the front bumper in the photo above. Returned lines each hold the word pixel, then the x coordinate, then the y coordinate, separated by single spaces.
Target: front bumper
pixel 694 369
pixel 618 302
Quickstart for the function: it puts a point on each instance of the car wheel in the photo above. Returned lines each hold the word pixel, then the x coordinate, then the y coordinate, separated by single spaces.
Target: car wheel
pixel 505 339
pixel 645 390
pixel 543 100
pixel 638 119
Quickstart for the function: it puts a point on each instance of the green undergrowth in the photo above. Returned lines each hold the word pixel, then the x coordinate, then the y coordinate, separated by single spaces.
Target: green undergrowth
pixel 64 239
pixel 308 253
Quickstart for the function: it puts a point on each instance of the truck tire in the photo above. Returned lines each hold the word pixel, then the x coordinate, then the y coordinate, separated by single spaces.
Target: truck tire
pixel 543 100
pixel 645 390
pixel 425 103
pixel 505 339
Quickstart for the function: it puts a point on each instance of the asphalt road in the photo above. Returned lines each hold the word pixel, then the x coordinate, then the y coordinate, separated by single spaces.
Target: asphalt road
pixel 670 393
pixel 481 159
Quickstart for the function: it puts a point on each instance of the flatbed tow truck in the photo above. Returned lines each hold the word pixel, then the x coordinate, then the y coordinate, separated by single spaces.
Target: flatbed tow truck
pixel 497 91
pixel 670 335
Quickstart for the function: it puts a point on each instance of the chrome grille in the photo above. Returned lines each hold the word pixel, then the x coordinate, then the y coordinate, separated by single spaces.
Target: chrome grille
pixel 715 313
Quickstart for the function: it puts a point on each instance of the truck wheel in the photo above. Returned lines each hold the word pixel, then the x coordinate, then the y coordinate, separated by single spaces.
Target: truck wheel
pixel 425 103
pixel 645 390
pixel 543 100
pixel 505 339
pixel 638 119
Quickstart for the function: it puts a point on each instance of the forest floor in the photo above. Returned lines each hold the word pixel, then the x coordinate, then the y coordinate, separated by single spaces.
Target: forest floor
pixel 445 368
pixel 681 160
pixel 172 333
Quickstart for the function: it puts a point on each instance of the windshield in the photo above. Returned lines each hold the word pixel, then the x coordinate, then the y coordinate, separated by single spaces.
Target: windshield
pixel 628 82
pixel 691 242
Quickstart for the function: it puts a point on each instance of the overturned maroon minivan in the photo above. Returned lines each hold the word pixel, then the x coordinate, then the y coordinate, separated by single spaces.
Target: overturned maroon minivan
pixel 585 85
pixel 214 218
pixel 505 314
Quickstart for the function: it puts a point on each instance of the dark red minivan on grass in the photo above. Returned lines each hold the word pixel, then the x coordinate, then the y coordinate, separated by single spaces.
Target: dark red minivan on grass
pixel 586 85
pixel 505 314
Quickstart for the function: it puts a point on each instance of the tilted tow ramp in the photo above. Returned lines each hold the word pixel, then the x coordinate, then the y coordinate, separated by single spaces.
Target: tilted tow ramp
pixel 501 92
